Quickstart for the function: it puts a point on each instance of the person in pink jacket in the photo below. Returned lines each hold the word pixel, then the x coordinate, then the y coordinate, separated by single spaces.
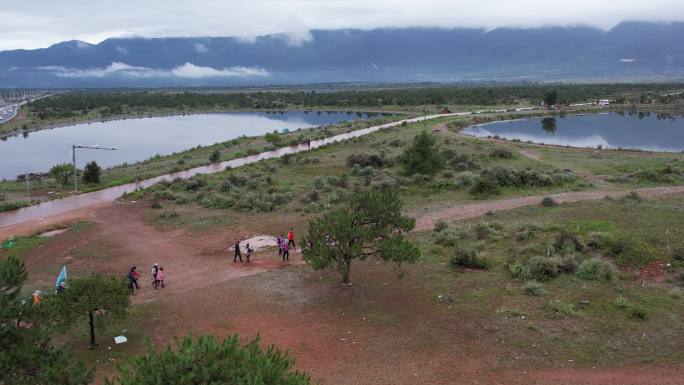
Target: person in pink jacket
pixel 160 277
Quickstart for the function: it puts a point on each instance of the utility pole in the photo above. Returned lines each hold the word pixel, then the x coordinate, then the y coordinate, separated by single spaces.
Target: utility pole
pixel 73 158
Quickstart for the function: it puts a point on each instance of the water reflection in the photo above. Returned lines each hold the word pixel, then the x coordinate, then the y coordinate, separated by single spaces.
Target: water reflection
pixel 628 129
pixel 549 125
pixel 59 206
pixel 140 139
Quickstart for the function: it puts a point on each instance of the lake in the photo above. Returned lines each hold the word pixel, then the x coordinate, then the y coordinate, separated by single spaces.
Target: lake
pixel 140 139
pixel 644 131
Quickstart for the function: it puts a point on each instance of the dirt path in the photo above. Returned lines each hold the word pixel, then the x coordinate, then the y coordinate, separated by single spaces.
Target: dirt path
pixel 389 331
pixel 426 219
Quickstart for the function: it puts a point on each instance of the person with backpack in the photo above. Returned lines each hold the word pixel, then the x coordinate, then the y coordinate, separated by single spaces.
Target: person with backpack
pixel 238 254
pixel 133 276
pixel 290 238
pixel 155 271
pixel 285 247
pixel 279 240
pixel 249 251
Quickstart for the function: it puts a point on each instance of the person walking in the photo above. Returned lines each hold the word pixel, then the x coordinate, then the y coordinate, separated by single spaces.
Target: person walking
pixel 285 247
pixel 155 271
pixel 290 238
pixel 133 276
pixel 237 252
pixel 279 240
pixel 160 276
pixel 248 254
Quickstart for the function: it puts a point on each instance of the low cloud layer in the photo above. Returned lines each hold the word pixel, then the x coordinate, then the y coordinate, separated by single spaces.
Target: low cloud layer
pixel 39 23
pixel 186 71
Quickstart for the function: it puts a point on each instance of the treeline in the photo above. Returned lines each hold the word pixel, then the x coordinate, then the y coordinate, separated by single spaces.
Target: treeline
pixel 119 103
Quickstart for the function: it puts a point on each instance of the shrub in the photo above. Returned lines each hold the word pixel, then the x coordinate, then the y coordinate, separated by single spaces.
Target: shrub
pixel 440 225
pixel 518 270
pixel 566 264
pixel 533 288
pixel 676 293
pixel 467 258
pixel 364 160
pixel 622 303
pixel 678 253
pixel 567 242
pixel 156 204
pixel 169 215
pixel 638 314
pixel 542 269
pixel 9 206
pixel 449 237
pixel 548 202
pixel 559 307
pixel 594 269
pixel 422 156
pixel 464 179
pixel 484 187
pixel 530 230
pixel 501 153
pixel 488 231
pixel 362 171
pixel 215 156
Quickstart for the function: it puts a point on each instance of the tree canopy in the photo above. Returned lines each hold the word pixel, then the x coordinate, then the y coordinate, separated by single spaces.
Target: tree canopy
pixel 27 354
pixel 422 156
pixel 91 173
pixel 551 98
pixel 206 360
pixel 62 172
pixel 370 224
pixel 100 299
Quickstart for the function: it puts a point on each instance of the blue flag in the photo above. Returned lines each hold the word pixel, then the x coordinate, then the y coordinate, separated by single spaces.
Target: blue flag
pixel 62 276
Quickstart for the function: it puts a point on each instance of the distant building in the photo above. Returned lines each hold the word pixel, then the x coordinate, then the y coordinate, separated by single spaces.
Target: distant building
pixel 603 102
pixel 2 101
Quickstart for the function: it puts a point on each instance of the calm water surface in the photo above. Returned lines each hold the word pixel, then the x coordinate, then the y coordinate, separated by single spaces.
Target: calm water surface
pixel 140 139
pixel 652 132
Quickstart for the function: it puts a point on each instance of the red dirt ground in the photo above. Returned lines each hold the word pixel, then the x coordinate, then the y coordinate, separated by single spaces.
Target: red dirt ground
pixel 383 331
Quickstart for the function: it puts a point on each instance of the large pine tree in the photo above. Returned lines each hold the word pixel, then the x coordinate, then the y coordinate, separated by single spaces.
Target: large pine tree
pixel 370 224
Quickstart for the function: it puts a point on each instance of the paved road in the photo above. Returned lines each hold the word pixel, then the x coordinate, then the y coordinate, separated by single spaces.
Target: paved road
pixel 12 111
pixel 48 212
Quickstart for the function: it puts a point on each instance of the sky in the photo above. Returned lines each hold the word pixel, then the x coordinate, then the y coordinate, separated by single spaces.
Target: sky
pixel 33 24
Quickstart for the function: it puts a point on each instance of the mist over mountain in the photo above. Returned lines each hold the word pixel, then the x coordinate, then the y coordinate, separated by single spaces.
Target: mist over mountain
pixel 629 51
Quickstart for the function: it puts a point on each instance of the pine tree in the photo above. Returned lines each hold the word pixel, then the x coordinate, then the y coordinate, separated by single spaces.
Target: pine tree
pixel 101 299
pixel 27 354
pixel 369 225
pixel 206 360
pixel 91 173
pixel 422 156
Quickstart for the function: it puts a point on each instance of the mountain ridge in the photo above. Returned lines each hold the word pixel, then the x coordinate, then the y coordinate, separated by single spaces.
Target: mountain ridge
pixel 630 50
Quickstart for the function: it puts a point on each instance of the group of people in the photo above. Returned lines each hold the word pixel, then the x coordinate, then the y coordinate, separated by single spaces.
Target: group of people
pixel 158 276
pixel 238 253
pixel 282 243
pixel 285 243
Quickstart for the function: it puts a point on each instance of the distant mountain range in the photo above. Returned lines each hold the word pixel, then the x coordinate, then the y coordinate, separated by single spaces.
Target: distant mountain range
pixel 630 51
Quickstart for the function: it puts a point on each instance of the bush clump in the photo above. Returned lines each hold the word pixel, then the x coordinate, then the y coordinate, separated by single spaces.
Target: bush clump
pixel 440 225
pixel 501 153
pixel 365 160
pixel 549 202
pixel 467 258
pixel 533 288
pixel 542 269
pixel 559 308
pixel 488 231
pixel 594 269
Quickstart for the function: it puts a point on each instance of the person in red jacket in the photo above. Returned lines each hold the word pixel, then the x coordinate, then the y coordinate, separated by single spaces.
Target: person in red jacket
pixel 290 238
